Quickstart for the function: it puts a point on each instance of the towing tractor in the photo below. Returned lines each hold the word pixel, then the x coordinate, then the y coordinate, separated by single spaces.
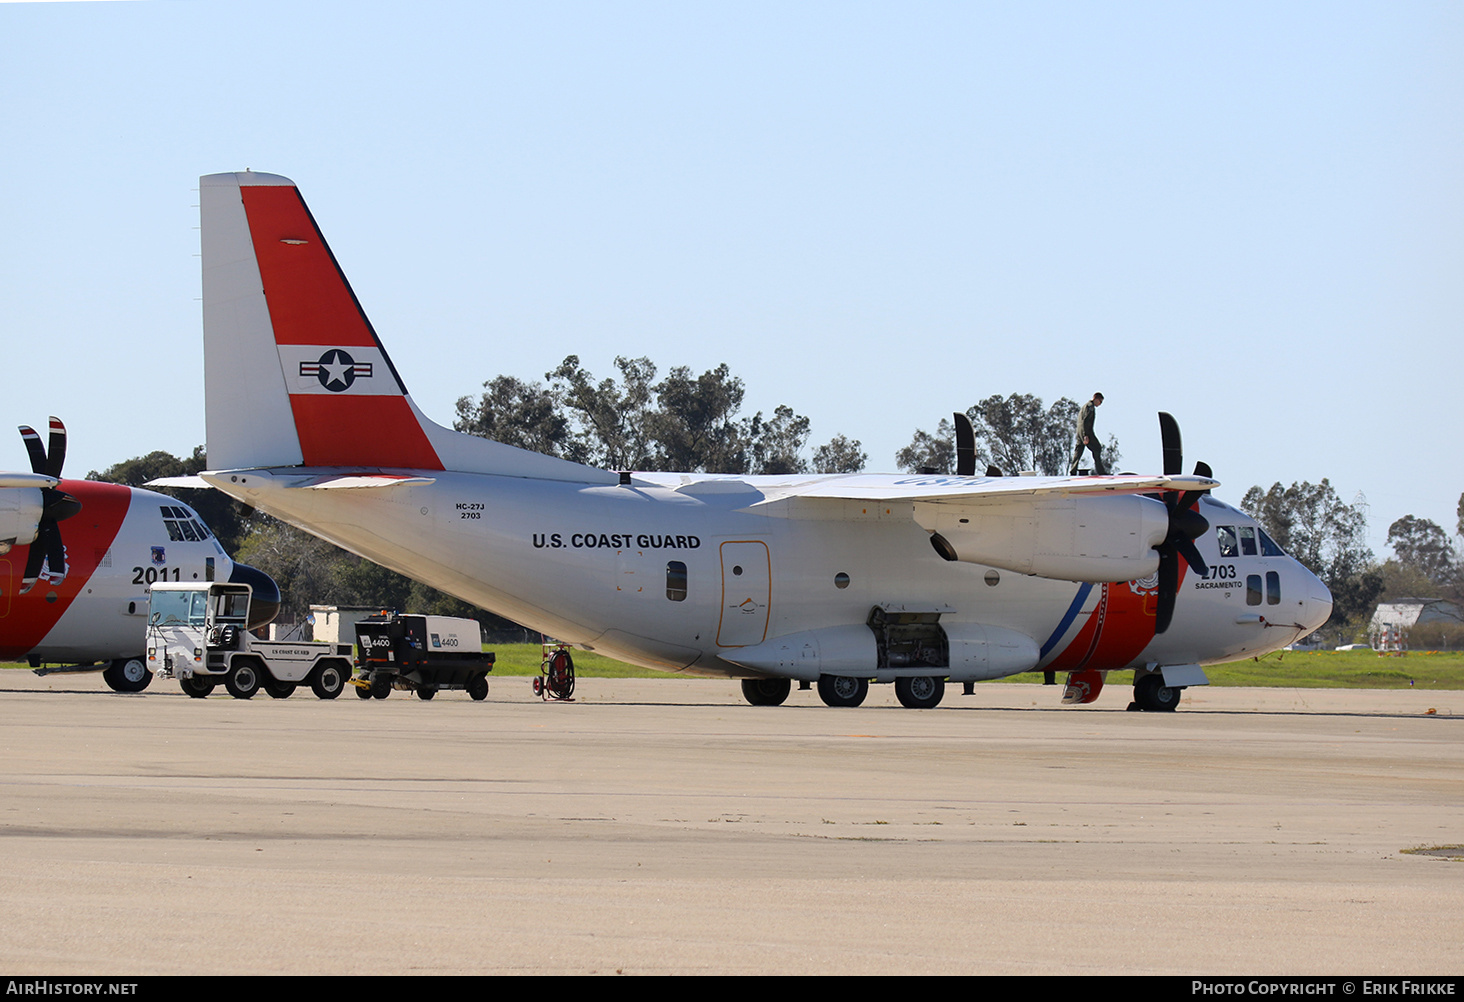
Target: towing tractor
pixel 422 654
pixel 196 634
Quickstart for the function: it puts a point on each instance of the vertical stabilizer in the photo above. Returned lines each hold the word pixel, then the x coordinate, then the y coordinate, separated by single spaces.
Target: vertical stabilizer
pixel 294 373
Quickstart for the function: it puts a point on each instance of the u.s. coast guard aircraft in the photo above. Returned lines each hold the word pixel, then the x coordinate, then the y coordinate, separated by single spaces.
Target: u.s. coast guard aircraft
pixel 78 559
pixel 837 580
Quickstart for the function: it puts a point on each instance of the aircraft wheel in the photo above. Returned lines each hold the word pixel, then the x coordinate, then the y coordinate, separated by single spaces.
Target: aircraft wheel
pixel 328 680
pixel 425 692
pixel 841 690
pixel 127 675
pixel 381 686
pixel 278 689
pixel 244 681
pixel 1152 694
pixel 478 687
pixel 363 691
pixel 766 691
pixel 920 692
pixel 197 686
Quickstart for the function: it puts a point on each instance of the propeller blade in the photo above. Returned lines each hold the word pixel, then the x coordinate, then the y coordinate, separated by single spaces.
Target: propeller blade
pixel 34 448
pixel 56 456
pixel 55 555
pixel 35 559
pixel 1168 588
pixel 1173 450
pixel 1191 554
pixel 965 446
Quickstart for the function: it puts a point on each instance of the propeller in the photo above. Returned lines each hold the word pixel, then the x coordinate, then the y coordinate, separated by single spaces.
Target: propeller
pixel 56 506
pixel 1185 524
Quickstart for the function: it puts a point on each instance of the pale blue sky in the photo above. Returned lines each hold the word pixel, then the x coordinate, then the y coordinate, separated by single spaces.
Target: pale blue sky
pixel 1248 214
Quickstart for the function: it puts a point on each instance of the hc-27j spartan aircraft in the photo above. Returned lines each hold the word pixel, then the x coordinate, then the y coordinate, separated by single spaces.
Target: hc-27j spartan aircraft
pixel 832 580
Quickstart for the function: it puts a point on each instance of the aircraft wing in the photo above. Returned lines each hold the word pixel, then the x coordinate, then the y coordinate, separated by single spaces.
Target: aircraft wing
pixel 1092 529
pixel 979 491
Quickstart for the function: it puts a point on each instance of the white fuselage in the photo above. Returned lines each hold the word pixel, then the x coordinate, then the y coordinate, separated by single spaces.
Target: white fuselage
pixel 682 579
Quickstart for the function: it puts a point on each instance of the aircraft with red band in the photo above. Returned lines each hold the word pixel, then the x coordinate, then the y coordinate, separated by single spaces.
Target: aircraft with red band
pixel 833 581
pixel 77 561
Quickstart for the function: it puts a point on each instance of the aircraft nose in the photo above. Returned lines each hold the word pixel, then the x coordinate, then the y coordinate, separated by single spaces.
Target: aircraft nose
pixel 1318 605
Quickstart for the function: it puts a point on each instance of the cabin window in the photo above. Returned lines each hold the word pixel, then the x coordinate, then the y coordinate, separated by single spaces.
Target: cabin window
pixel 1253 589
pixel 676 581
pixel 1273 588
pixel 1268 546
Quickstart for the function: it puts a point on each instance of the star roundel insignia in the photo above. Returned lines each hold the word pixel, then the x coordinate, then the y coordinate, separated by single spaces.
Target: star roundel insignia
pixel 337 370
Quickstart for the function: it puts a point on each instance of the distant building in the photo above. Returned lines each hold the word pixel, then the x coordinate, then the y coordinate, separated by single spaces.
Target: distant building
pixel 1417 622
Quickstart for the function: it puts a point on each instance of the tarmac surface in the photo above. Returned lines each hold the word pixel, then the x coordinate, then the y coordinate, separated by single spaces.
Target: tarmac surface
pixel 664 826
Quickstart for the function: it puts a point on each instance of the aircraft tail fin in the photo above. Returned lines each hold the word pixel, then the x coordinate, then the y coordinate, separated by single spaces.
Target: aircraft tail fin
pixel 294 373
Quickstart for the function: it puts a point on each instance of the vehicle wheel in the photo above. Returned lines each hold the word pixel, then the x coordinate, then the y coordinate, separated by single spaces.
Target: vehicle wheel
pixel 478 687
pixel 426 691
pixel 197 686
pixel 278 689
pixel 127 675
pixel 363 691
pixel 328 680
pixel 920 692
pixel 766 691
pixel 841 690
pixel 1152 694
pixel 381 686
pixel 243 682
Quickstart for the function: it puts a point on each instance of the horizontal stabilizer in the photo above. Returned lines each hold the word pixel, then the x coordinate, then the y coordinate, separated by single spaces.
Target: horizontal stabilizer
pixel 359 481
pixel 191 483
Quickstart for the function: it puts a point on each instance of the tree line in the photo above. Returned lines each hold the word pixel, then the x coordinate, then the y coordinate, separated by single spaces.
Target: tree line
pixel 687 422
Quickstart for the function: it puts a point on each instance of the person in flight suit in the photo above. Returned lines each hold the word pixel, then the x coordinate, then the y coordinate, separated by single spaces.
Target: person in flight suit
pixel 1088 438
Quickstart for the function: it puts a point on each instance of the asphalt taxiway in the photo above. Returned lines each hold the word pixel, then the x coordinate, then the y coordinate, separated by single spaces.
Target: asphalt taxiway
pixel 663 826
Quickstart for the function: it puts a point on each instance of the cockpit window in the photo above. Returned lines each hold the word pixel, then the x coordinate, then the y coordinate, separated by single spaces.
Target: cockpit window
pixel 182 524
pixel 1248 540
pixel 1269 547
pixel 1226 535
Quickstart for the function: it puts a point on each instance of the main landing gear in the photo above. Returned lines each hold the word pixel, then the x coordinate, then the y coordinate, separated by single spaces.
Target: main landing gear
pixel 766 691
pixel 841 690
pixel 918 692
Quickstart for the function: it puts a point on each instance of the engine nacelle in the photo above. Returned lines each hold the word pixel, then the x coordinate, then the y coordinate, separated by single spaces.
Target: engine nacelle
pixel 1093 539
pixel 20 515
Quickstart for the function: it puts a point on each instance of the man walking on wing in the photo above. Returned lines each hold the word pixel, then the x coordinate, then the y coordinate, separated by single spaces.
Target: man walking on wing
pixel 1088 438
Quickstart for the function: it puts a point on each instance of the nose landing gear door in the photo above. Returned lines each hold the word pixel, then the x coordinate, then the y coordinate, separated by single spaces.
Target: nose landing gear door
pixel 746 593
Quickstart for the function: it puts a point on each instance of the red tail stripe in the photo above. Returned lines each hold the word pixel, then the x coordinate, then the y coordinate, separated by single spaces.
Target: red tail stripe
pixel 343 430
pixel 309 301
